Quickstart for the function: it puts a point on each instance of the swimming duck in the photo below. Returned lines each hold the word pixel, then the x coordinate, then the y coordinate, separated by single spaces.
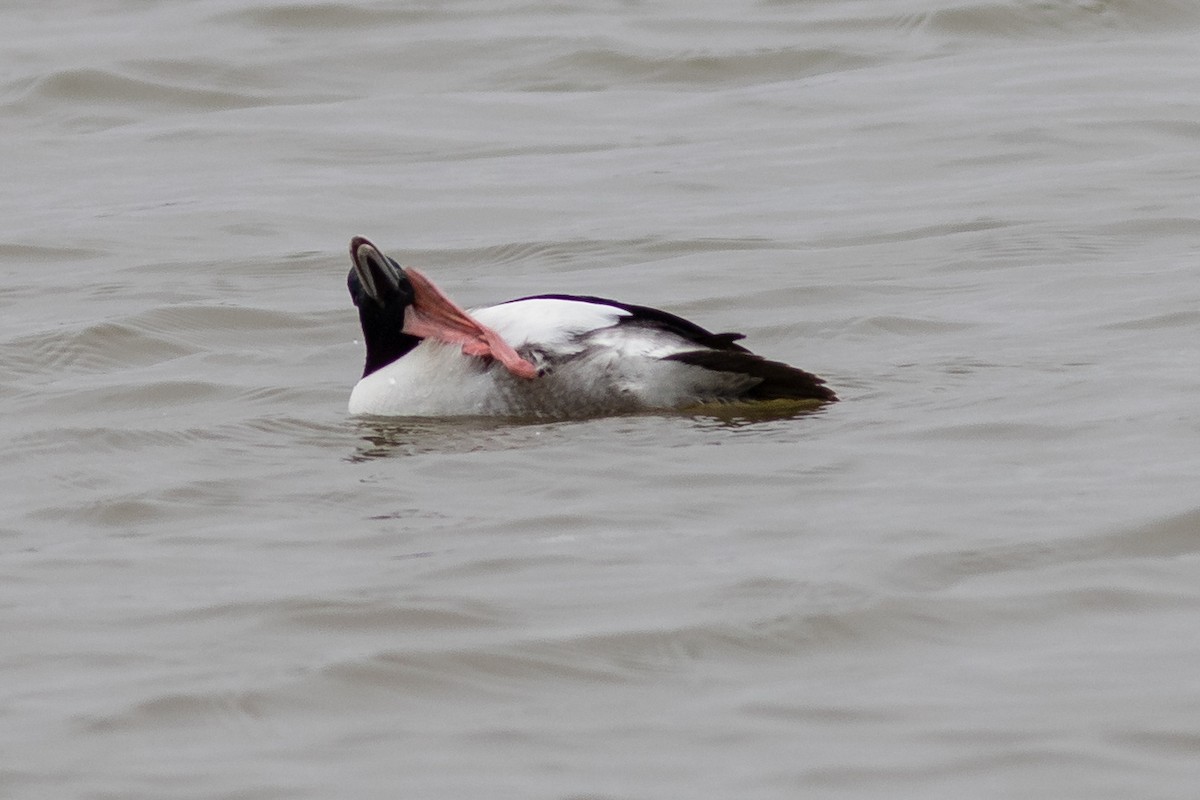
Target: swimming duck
pixel 549 355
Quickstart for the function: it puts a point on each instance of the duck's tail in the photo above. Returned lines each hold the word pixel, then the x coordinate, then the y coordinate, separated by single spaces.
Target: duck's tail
pixel 776 380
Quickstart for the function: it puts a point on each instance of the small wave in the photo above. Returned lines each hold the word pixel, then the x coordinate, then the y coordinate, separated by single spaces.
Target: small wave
pixel 904 326
pixel 108 87
pixel 605 67
pixel 103 440
pixel 1027 19
pixel 153 337
pixel 321 17
pixel 1167 538
pixel 916 234
pixel 171 710
pixel 525 254
pixel 173 394
pixel 482 669
pixel 130 439
pixel 1187 321
pixel 394 437
pixel 630 655
pixel 43 253
pixel 220 320
pixel 102 97
pixel 102 347
pixel 392 617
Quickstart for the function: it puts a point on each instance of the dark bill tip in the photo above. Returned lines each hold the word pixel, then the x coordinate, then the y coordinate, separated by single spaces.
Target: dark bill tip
pixel 377 273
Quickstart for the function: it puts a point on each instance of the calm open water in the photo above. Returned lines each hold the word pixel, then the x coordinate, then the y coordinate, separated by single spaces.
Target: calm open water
pixel 977 576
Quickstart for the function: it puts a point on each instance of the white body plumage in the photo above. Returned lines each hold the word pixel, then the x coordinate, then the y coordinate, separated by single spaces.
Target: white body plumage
pixel 588 362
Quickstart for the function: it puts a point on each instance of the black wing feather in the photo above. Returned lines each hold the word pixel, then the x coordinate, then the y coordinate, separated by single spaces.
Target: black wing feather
pixel 659 319
pixel 778 381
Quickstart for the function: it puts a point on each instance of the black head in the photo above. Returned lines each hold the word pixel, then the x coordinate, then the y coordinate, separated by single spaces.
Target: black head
pixel 382 292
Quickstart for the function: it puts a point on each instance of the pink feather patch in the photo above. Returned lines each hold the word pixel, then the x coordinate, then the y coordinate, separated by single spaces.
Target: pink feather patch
pixel 433 315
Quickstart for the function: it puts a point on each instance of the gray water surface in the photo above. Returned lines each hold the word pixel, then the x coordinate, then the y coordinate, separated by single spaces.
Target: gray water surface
pixel 976 576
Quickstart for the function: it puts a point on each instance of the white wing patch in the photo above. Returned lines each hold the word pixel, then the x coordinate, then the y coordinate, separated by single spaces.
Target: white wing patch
pixel 639 341
pixel 549 324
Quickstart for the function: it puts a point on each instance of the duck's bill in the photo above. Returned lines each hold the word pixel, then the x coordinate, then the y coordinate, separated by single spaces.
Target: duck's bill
pixel 379 279
pixel 433 315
